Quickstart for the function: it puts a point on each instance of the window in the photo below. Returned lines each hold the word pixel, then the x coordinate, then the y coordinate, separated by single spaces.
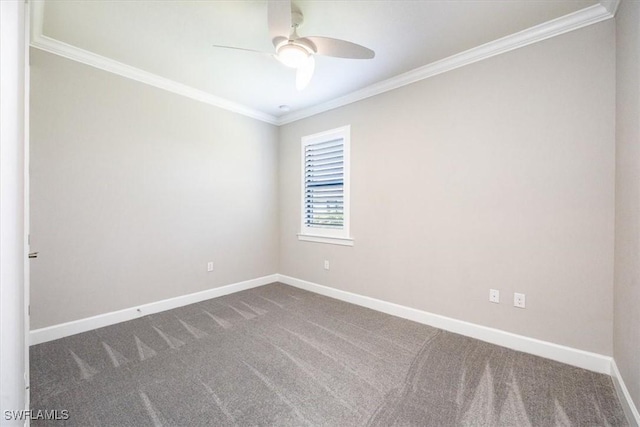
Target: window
pixel 325 187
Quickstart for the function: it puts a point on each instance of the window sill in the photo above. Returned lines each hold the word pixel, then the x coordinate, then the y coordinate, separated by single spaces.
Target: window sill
pixel 325 239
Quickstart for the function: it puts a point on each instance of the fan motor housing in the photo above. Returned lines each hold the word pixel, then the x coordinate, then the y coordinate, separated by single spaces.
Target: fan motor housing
pixel 297 19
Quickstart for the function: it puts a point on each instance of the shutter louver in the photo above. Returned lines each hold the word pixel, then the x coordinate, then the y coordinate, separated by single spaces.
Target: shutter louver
pixel 324 184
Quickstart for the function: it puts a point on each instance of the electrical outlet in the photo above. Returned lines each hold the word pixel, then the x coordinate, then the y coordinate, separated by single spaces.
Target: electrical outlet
pixel 210 266
pixel 494 295
pixel 518 300
pixel 326 264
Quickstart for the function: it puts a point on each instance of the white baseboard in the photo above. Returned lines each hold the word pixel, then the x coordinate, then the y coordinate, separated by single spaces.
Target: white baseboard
pixel 54 332
pixel 580 358
pixel 630 410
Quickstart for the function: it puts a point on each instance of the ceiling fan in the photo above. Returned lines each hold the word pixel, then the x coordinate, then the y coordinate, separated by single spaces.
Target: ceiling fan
pixel 298 52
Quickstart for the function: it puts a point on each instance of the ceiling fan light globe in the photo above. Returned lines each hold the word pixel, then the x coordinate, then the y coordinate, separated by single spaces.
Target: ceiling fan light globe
pixel 305 73
pixel 292 55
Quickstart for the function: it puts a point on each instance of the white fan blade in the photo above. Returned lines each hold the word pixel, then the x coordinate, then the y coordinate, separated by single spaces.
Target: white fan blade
pixel 304 73
pixel 242 48
pixel 339 48
pixel 279 18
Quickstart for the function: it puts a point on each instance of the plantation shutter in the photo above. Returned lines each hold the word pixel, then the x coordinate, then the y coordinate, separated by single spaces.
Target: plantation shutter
pixel 324 184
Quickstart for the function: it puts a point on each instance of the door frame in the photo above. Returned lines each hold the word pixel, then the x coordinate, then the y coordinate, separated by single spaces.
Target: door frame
pixel 13 208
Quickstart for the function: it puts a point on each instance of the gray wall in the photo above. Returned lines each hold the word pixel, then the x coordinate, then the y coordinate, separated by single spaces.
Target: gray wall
pixel 495 175
pixel 134 189
pixel 626 333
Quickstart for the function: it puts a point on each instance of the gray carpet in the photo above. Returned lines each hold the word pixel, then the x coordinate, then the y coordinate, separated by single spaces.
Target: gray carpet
pixel 277 355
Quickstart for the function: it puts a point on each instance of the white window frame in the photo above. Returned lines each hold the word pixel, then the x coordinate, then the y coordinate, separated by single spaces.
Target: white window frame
pixel 324 235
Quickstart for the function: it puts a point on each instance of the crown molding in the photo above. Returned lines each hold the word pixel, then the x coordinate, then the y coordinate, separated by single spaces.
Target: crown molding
pixel 48 44
pixel 611 6
pixel 83 56
pixel 591 15
pixel 604 10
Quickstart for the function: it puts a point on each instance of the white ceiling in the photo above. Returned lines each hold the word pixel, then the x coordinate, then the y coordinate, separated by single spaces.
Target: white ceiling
pixel 173 39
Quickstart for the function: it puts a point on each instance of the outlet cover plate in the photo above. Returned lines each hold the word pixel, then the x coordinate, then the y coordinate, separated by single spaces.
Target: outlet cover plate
pixel 494 295
pixel 519 300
